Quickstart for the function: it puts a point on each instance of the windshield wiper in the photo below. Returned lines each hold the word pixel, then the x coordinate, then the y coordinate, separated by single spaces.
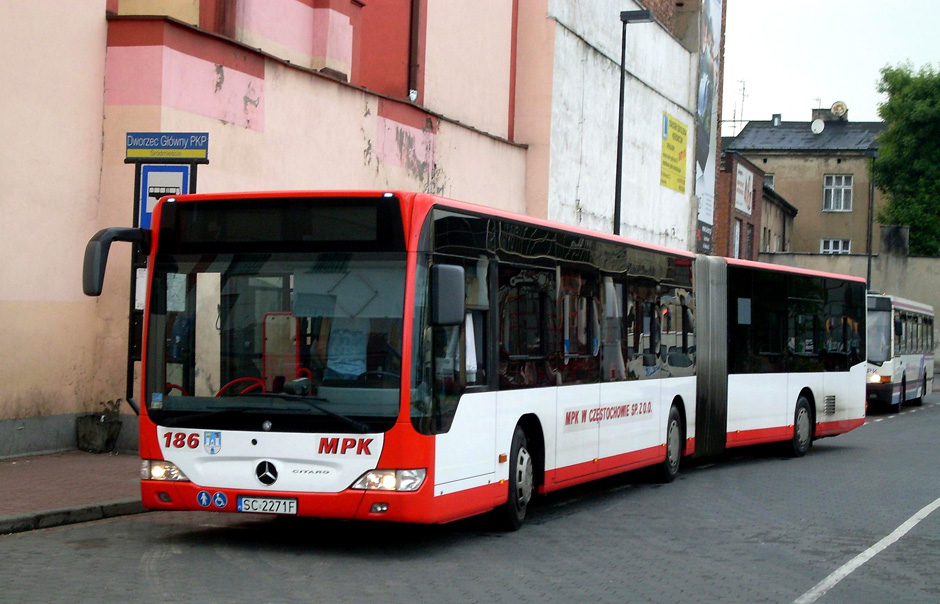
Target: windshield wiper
pixel 182 419
pixel 311 401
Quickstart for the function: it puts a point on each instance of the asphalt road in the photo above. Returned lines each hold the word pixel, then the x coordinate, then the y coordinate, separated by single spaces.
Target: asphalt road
pixel 852 522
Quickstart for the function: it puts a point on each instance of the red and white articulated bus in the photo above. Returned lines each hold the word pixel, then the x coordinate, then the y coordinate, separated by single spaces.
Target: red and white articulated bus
pixel 403 357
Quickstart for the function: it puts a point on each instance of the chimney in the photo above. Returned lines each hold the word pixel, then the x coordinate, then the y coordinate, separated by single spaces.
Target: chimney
pixel 776 120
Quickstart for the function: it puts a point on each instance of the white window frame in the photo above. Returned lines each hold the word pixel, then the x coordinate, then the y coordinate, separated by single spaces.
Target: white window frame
pixel 837 192
pixel 835 246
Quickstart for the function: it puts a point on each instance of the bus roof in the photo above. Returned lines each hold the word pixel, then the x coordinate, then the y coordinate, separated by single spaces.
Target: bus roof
pixel 792 269
pixel 904 303
pixel 427 201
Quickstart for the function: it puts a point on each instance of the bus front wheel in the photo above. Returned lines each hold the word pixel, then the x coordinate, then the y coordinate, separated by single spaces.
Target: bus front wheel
pixel 521 483
pixel 802 428
pixel 902 398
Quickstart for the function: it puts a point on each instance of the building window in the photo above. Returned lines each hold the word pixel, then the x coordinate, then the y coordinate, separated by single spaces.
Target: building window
pixel 736 251
pixel 749 243
pixel 769 181
pixel 835 246
pixel 837 193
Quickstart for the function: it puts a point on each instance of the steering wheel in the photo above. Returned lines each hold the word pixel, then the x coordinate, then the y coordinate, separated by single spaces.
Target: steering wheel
pixel 255 383
pixel 170 387
pixel 380 375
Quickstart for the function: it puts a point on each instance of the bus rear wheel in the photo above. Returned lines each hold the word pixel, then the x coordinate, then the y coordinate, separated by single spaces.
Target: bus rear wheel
pixel 670 466
pixel 521 483
pixel 802 428
pixel 917 402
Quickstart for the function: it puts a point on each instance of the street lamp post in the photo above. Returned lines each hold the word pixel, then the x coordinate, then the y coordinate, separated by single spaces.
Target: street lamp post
pixel 870 153
pixel 626 16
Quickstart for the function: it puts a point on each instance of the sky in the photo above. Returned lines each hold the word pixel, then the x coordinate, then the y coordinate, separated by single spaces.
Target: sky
pixel 790 56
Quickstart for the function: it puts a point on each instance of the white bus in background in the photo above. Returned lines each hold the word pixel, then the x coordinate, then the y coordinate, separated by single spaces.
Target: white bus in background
pixel 900 351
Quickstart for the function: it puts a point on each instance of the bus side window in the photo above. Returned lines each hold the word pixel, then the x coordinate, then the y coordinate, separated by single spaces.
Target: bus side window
pixel 475 346
pixel 898 334
pixel 527 328
pixel 578 305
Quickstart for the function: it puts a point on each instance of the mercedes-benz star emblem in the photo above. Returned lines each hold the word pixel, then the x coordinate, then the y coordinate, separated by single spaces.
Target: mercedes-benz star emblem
pixel 266 473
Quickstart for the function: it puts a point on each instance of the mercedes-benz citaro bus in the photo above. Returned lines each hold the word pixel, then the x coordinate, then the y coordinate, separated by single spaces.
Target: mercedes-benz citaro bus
pixel 404 357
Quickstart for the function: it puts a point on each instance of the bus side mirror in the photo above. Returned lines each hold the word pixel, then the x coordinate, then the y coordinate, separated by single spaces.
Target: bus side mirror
pixel 447 295
pixel 96 254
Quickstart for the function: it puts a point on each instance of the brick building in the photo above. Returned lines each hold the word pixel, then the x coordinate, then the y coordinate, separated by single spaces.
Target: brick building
pixel 750 216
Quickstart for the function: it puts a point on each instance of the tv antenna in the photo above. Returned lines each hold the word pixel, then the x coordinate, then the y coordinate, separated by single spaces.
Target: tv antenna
pixel 734 115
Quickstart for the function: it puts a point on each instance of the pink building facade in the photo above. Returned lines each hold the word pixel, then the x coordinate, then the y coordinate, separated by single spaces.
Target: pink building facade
pixel 509 103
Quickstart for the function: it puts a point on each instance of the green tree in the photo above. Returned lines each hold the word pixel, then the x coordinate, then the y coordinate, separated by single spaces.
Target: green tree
pixel 908 166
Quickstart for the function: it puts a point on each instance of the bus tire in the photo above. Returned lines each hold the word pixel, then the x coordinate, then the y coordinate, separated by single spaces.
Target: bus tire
pixel 670 466
pixel 901 397
pixel 521 483
pixel 802 428
pixel 917 402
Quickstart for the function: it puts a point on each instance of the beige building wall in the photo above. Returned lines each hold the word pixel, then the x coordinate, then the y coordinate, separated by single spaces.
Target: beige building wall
pixel 799 180
pixel 50 166
pixel 535 57
pixel 275 125
pixel 278 127
pixel 467 62
pixel 776 227
pixel 186 11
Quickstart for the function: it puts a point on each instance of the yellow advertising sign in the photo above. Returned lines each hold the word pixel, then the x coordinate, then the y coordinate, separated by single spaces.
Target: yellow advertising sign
pixel 675 152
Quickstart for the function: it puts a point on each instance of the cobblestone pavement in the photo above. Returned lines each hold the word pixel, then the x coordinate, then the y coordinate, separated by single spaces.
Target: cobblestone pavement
pixel 750 527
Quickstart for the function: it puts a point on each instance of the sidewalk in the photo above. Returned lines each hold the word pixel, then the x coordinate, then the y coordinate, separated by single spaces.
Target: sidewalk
pixel 64 488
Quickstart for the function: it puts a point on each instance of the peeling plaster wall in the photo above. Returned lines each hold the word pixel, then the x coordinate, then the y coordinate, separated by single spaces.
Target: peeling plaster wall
pixel 586 82
pixel 318 134
pixel 271 126
pixel 306 132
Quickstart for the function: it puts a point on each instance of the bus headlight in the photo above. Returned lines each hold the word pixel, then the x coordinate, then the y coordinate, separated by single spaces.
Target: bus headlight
pixel 391 480
pixel 161 470
pixel 878 379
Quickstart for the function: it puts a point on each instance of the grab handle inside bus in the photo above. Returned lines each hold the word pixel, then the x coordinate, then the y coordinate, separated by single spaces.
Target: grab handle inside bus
pixel 447 294
pixel 96 254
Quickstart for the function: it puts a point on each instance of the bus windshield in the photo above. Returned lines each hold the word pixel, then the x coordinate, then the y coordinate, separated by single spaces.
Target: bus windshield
pixel 282 341
pixel 879 336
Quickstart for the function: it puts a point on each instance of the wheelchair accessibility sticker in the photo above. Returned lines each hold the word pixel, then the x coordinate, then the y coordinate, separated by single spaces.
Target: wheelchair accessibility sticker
pixel 206 499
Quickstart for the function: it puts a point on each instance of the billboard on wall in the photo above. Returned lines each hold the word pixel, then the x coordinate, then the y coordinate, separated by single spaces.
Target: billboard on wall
pixel 744 191
pixel 706 125
pixel 674 151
